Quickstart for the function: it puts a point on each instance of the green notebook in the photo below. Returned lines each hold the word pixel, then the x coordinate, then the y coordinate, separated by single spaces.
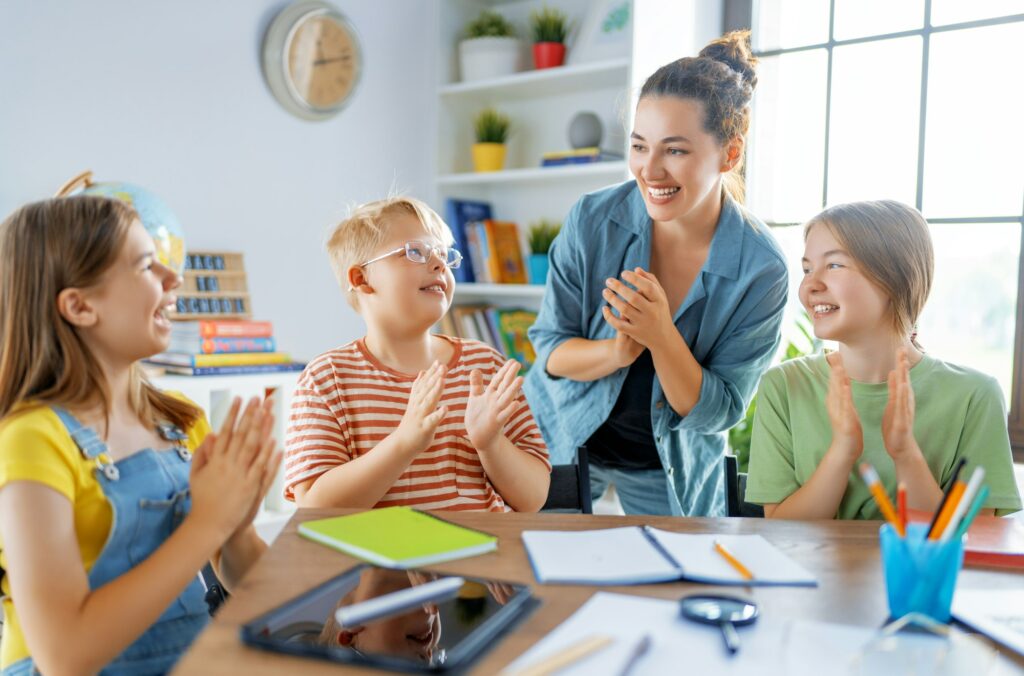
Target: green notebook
pixel 398 537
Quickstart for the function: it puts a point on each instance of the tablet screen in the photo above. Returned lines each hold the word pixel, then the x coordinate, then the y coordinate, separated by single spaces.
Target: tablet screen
pixel 405 619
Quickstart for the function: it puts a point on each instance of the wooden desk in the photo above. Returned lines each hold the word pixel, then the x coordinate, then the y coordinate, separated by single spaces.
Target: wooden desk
pixel 843 555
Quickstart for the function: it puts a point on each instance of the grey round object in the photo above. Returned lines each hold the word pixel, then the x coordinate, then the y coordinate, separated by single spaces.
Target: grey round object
pixel 585 131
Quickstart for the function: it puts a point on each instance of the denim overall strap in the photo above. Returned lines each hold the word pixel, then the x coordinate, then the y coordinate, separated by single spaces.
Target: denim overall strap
pixel 150 498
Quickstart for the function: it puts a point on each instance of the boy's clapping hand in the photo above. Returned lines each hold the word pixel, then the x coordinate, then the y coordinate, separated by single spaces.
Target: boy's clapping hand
pixel 490 407
pixel 422 416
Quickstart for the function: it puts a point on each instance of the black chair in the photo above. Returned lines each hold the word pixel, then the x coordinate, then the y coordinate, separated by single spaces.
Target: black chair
pixel 570 486
pixel 736 489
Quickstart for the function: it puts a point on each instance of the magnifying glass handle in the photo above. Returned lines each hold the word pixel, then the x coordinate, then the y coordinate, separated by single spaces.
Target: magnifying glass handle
pixel 732 639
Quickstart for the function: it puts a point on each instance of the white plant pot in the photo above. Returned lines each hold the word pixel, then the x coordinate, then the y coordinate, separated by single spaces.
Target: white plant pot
pixel 483 58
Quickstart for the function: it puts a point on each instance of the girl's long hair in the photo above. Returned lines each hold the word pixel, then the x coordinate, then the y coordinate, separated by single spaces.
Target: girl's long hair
pixel 46 247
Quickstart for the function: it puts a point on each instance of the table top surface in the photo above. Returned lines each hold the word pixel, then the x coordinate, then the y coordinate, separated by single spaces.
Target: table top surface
pixel 843 555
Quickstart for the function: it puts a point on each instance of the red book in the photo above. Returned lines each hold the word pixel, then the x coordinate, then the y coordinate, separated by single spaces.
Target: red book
pixel 224 328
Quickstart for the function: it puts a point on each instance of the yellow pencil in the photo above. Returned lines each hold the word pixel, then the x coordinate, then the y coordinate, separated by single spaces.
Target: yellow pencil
pixel 564 658
pixel 733 561
pixel 947 510
pixel 870 477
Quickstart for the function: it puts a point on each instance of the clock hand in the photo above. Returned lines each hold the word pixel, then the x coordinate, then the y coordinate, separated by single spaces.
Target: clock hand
pixel 320 62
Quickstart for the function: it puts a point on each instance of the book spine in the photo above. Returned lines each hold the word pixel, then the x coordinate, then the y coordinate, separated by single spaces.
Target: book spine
pixel 235 329
pixel 225 345
pixel 233 370
pixel 476 255
pixel 487 250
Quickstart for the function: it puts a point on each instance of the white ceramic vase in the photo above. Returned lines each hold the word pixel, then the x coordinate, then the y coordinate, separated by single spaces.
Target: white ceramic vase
pixel 483 58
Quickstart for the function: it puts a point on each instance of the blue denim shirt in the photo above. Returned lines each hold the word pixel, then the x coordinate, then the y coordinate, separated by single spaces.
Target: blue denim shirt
pixel 730 319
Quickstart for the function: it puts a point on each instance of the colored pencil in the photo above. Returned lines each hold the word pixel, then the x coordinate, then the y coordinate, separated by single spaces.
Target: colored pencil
pixel 945 496
pixel 733 561
pixel 973 486
pixel 870 476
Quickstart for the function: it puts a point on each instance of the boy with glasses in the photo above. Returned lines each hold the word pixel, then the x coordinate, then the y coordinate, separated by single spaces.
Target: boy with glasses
pixel 403 416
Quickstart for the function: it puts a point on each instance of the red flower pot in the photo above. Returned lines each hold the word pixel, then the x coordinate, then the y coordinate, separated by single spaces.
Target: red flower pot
pixel 548 54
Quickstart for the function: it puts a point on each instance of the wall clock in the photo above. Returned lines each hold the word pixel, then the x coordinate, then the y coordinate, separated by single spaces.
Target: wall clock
pixel 312 60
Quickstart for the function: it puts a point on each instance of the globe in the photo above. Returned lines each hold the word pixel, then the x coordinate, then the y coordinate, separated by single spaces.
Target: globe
pixel 157 218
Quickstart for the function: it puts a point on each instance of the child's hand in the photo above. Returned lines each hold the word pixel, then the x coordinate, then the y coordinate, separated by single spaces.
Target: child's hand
pixel 898 418
pixel 644 314
pixel 490 407
pixel 847 435
pixel 230 469
pixel 422 416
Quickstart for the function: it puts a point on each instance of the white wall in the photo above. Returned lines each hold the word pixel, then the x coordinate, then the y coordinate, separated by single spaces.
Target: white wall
pixel 169 95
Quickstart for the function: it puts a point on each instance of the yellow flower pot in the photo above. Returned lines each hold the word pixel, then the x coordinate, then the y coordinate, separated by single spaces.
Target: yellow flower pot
pixel 488 156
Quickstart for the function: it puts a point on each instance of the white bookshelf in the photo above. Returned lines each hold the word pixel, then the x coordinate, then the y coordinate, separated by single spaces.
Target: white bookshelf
pixel 540 105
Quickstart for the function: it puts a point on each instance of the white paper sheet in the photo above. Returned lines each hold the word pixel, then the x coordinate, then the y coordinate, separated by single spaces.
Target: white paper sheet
pixel 998 613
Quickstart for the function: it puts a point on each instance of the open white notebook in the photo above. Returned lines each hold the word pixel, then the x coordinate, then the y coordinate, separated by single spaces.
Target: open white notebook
pixel 641 555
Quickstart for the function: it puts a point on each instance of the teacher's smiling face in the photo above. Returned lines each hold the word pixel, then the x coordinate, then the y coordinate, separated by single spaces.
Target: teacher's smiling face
pixel 677 164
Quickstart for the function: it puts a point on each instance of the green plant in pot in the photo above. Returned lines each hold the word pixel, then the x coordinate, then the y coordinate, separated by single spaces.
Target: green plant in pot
pixel 490 48
pixel 550 27
pixel 542 234
pixel 491 128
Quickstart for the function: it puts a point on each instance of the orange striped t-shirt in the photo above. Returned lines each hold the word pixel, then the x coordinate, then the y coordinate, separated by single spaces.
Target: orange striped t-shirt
pixel 346 402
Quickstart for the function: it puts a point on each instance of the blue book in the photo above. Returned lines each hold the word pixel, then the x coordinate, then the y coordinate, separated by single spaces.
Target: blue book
pixel 231 370
pixel 459 213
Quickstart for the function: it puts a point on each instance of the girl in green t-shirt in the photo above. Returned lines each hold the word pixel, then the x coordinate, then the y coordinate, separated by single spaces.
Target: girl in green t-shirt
pixel 879 398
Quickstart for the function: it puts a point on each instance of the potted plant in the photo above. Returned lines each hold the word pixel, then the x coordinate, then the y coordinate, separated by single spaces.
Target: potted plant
pixel 491 129
pixel 550 27
pixel 490 48
pixel 542 234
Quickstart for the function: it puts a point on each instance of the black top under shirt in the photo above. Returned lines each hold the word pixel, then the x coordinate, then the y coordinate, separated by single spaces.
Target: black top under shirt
pixel 626 439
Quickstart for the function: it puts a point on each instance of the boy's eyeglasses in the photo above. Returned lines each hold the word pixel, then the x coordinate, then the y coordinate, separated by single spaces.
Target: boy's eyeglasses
pixel 420 252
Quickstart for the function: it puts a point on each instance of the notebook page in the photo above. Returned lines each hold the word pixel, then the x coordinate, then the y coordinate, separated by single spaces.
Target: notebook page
pixel 608 556
pixel 700 562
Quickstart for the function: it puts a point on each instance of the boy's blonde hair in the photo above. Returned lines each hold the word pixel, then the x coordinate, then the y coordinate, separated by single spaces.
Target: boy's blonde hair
pixel 357 238
pixel 892 244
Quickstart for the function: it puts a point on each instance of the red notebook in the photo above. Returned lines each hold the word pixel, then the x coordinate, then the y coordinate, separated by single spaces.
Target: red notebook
pixel 992 541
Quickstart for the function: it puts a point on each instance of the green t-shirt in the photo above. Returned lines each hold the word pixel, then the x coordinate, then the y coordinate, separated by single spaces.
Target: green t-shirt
pixel 959 413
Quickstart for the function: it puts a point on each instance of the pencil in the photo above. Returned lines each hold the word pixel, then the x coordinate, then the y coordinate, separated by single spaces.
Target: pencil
pixel 973 486
pixel 870 476
pixel 945 496
pixel 733 561
pixel 979 500
pixel 947 510
pixel 563 658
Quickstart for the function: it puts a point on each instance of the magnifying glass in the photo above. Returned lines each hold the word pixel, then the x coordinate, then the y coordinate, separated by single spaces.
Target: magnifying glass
pixel 727 612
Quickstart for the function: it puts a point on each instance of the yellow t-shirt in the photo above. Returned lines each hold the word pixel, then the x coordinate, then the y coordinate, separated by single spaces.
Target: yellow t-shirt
pixel 35 446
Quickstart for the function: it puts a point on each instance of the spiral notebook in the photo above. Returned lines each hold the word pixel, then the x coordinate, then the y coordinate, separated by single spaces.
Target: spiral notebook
pixel 645 555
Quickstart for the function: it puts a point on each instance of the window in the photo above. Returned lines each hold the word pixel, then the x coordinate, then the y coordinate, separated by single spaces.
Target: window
pixel 918 101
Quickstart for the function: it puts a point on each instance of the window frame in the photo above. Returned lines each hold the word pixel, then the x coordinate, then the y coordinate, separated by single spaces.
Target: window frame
pixel 734 9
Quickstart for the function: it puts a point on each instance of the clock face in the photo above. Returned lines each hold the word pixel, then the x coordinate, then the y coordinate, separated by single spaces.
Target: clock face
pixel 322 61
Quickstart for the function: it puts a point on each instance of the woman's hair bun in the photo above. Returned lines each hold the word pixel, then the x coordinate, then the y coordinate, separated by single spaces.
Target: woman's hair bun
pixel 733 49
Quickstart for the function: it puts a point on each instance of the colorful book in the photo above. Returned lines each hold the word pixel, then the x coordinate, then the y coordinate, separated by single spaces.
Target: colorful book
pixel 504 252
pixel 459 213
pixel 513 326
pixel 476 242
pixel 579 159
pixel 231 370
pixel 398 537
pixel 223 328
pixel 197 345
pixel 201 360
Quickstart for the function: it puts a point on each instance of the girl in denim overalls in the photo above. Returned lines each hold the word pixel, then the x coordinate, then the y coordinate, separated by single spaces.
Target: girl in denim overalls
pixel 112 494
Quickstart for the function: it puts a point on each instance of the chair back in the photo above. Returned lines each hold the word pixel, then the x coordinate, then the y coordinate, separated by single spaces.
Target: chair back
pixel 570 486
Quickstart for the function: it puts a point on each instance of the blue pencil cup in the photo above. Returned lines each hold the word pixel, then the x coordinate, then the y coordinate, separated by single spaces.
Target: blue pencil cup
pixel 920 574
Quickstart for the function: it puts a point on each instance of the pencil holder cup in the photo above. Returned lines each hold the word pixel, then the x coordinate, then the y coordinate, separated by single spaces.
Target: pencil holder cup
pixel 920 574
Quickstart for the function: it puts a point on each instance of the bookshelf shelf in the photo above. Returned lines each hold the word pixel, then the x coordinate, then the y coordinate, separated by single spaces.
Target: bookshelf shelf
pixel 548 82
pixel 476 292
pixel 611 171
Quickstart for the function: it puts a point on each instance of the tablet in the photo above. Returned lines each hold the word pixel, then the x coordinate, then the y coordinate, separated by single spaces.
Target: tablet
pixel 402 620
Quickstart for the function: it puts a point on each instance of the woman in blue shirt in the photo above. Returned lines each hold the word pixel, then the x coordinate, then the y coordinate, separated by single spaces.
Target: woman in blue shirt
pixel 664 299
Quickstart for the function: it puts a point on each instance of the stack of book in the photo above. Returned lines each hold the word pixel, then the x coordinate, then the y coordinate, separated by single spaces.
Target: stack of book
pixel 501 328
pixel 223 347
pixel 491 249
pixel 577 156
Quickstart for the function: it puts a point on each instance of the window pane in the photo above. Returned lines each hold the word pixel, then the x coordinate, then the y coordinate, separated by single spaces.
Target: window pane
pixel 876 103
pixel 860 18
pixel 790 23
pixel 969 318
pixel 791 240
pixel 787 156
pixel 955 11
pixel 973 138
